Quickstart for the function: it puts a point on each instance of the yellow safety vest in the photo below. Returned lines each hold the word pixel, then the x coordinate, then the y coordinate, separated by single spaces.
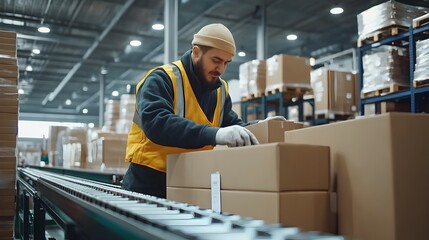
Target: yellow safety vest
pixel 141 150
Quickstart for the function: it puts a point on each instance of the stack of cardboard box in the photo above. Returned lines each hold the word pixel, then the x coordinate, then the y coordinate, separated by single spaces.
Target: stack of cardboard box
pixel 335 92
pixel 111 115
pixel 54 148
pixel 287 71
pixel 252 78
pixel 127 106
pixel 8 131
pixel 275 182
pixel 380 171
pixel 106 150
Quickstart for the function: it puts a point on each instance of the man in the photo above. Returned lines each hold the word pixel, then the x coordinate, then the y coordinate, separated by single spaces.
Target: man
pixel 182 107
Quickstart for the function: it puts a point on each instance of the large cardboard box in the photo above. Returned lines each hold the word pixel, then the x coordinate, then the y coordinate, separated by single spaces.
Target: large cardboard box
pixel 265 167
pixel 380 170
pixel 308 210
pixel 285 70
pixel 273 130
pixel 334 91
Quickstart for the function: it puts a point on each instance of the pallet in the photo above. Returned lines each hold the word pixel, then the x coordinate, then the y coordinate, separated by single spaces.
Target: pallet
pixel 421 83
pixel 253 96
pixel 380 34
pixel 288 89
pixel 417 22
pixel 383 91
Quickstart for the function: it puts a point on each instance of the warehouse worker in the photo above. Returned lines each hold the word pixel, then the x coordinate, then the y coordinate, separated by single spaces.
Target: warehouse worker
pixel 183 107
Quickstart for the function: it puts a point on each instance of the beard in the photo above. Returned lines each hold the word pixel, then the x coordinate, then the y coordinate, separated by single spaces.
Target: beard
pixel 199 71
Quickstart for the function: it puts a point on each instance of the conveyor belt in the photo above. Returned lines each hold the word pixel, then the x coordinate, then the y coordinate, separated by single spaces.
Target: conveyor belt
pixel 104 211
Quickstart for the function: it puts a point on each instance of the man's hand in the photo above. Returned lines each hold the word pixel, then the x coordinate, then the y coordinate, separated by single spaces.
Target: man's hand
pixel 235 136
pixel 280 118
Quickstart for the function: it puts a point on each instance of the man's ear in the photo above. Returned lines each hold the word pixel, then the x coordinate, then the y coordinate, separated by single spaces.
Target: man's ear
pixel 196 51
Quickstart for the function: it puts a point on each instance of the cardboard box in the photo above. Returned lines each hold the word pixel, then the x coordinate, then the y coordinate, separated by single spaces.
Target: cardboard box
pixel 265 167
pixel 273 130
pixel 7 144
pixel 7 163
pixel 8 178
pixel 7 210
pixel 5 40
pixel 252 76
pixel 9 130
pixel 380 167
pixel 286 70
pixel 7 34
pixel 334 91
pixel 308 210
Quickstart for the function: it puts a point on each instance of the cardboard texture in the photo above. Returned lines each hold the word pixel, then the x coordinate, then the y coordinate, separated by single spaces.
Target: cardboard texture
pixel 334 91
pixel 308 210
pixel 273 130
pixel 380 167
pixel 265 167
pixel 286 70
pixel 7 34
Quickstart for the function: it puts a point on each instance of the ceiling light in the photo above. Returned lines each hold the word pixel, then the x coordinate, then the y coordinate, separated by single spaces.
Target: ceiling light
pixel 20 91
pixel 29 68
pixel 43 29
pixel 158 26
pixel 93 78
pixel 84 111
pixel 68 102
pixel 135 43
pixel 36 51
pixel 115 93
pixel 312 61
pixel 85 88
pixel 336 10
pixel 291 37
pixel 91 125
pixel 241 54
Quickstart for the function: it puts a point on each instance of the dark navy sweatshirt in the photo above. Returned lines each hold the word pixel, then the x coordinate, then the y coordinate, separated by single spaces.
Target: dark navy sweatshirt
pixel 163 127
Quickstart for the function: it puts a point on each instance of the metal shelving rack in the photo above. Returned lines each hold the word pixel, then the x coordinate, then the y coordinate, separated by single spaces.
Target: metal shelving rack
pixel 414 94
pixel 276 101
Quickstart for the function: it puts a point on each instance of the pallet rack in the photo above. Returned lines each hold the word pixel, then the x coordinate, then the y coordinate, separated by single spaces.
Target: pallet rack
pixel 404 39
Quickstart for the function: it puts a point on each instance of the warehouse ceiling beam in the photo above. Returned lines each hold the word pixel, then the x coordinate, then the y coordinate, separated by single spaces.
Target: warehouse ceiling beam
pixel 185 28
pixel 119 14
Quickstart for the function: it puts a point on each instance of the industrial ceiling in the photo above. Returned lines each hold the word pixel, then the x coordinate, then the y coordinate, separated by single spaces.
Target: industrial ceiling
pixel 87 36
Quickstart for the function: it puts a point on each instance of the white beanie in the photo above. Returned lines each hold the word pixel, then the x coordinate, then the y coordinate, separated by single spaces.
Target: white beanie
pixel 215 35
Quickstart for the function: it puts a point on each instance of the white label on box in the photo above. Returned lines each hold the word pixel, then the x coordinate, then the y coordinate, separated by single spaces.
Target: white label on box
pixel 216 206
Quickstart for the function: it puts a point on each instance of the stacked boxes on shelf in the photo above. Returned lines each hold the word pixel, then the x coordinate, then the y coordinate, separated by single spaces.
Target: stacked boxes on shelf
pixel 106 150
pixel 8 131
pixel 127 106
pixel 287 71
pixel 252 78
pixel 334 92
pixel 421 73
pixel 55 151
pixel 275 182
pixel 388 14
pixel 380 173
pixel 74 148
pixel 111 115
pixel 385 67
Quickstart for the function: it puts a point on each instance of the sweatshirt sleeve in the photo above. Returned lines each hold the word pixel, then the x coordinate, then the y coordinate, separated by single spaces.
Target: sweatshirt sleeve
pixel 159 122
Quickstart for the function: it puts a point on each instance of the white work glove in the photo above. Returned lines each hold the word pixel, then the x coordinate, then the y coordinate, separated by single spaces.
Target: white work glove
pixel 235 136
pixel 274 118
